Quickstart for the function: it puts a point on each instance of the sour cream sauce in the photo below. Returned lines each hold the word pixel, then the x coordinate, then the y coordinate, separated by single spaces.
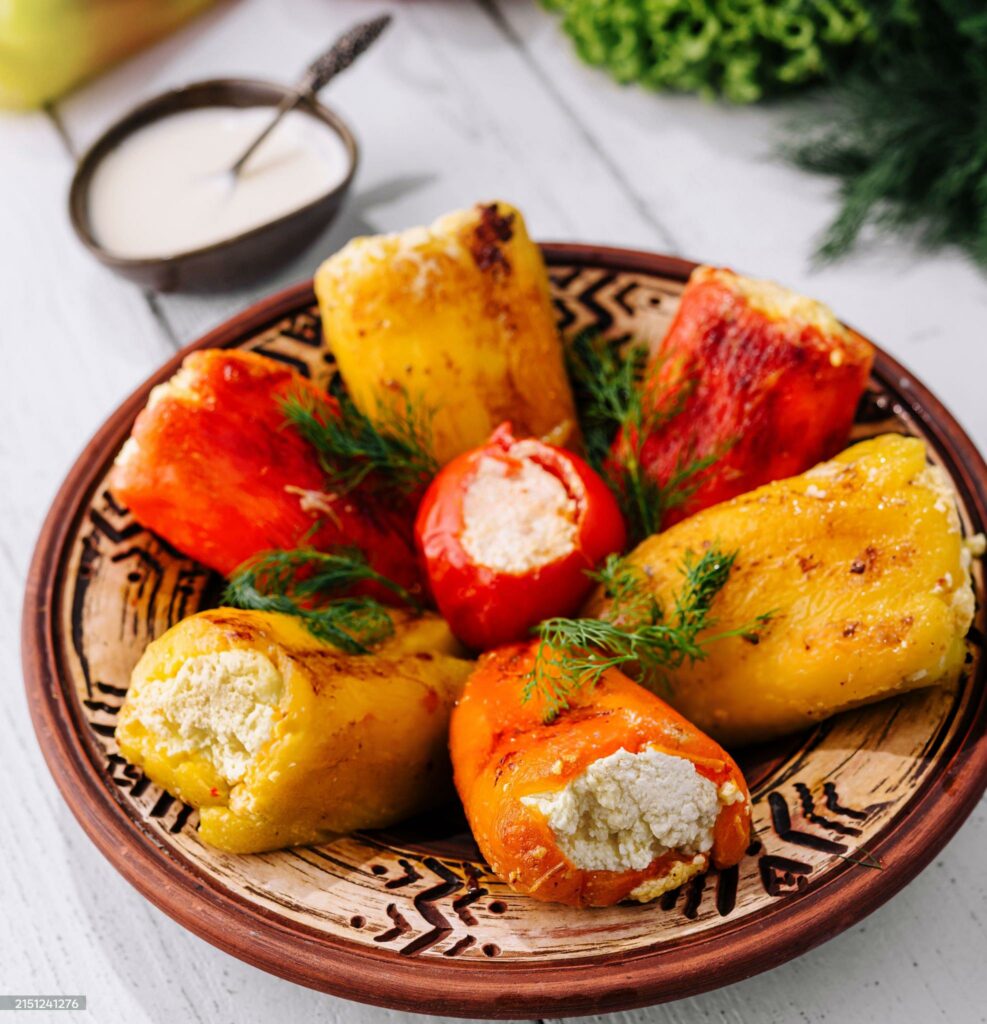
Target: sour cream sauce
pixel 166 189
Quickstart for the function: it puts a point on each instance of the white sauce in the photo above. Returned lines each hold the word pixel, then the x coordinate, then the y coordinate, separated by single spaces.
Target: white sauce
pixel 163 190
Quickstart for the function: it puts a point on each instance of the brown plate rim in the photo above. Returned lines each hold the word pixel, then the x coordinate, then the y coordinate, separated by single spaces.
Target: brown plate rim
pixel 502 988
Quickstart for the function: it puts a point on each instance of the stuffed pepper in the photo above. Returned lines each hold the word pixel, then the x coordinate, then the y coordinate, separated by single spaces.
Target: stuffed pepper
pixel 861 562
pixel 618 797
pixel 752 381
pixel 214 467
pixel 508 532
pixel 457 315
pixel 281 739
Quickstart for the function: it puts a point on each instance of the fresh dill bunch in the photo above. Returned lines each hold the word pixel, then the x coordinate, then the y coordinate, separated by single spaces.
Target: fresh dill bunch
pixel 574 654
pixel 905 133
pixel 394 451
pixel 614 398
pixel 605 383
pixel 307 584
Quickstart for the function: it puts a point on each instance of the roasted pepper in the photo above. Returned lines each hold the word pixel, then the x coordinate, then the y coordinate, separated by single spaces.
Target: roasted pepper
pixel 280 739
pixel 507 533
pixel 457 316
pixel 756 379
pixel 866 573
pixel 619 797
pixel 213 467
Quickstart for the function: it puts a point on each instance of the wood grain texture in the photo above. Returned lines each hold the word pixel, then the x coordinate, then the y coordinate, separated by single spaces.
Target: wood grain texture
pixel 706 174
pixel 387 917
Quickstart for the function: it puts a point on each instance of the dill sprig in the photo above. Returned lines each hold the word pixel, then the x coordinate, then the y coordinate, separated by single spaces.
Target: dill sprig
pixel 863 858
pixel 395 450
pixel 614 398
pixel 311 585
pixel 605 384
pixel 905 133
pixel 574 654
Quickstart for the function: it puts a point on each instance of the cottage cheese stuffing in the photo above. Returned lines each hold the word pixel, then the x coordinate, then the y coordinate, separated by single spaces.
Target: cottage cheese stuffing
pixel 628 809
pixel 517 516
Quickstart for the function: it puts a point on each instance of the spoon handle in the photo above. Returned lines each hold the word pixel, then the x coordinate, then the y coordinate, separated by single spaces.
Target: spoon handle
pixel 342 53
pixel 337 58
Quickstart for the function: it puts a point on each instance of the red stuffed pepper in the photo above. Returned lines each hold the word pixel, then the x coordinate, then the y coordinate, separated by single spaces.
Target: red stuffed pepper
pixel 507 533
pixel 214 468
pixel 764 381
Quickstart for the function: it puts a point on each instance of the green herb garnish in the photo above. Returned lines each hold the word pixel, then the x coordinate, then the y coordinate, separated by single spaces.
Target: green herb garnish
pixel 906 132
pixel 393 452
pixel 743 51
pixel 863 858
pixel 636 634
pixel 308 584
pixel 614 398
pixel 605 384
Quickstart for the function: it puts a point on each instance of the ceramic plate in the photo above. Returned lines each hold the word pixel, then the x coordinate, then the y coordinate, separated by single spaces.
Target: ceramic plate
pixel 412 918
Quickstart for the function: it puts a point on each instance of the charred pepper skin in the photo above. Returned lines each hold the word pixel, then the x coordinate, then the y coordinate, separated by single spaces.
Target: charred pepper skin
pixel 213 467
pixel 765 381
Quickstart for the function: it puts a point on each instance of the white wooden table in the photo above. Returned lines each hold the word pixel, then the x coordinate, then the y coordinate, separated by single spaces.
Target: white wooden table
pixel 463 100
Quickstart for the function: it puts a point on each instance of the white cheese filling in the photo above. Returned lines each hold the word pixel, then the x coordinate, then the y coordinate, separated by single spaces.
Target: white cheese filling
pixel 220 706
pixel 628 809
pixel 516 516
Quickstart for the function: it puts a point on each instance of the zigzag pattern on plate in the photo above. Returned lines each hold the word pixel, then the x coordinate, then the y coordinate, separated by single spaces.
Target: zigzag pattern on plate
pixel 404 891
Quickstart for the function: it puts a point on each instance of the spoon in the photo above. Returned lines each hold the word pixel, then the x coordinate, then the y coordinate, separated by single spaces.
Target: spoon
pixel 337 58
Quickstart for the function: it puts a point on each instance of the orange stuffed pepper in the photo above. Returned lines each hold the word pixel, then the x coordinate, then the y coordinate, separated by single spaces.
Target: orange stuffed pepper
pixel 761 380
pixel 214 468
pixel 619 797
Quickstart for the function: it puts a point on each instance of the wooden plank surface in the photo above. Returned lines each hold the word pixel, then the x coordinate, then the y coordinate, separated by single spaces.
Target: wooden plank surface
pixel 463 100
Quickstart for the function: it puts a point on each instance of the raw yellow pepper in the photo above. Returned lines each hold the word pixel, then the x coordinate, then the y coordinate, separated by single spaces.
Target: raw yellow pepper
pixel 48 46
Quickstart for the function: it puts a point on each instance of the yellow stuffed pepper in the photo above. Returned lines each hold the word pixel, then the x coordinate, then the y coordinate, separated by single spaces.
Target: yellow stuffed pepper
pixel 456 316
pixel 280 739
pixel 861 562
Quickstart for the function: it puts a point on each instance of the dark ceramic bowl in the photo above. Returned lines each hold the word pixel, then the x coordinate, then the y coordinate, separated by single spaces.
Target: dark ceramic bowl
pixel 233 261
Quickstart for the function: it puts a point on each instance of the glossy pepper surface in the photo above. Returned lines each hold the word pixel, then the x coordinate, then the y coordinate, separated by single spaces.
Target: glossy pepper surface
pixel 759 379
pixel 214 468
pixel 863 564
pixel 485 605
pixel 503 751
pixel 458 314
pixel 353 741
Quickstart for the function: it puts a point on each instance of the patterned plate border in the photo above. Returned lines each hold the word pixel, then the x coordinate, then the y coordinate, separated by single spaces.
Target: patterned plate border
pixel 472 987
